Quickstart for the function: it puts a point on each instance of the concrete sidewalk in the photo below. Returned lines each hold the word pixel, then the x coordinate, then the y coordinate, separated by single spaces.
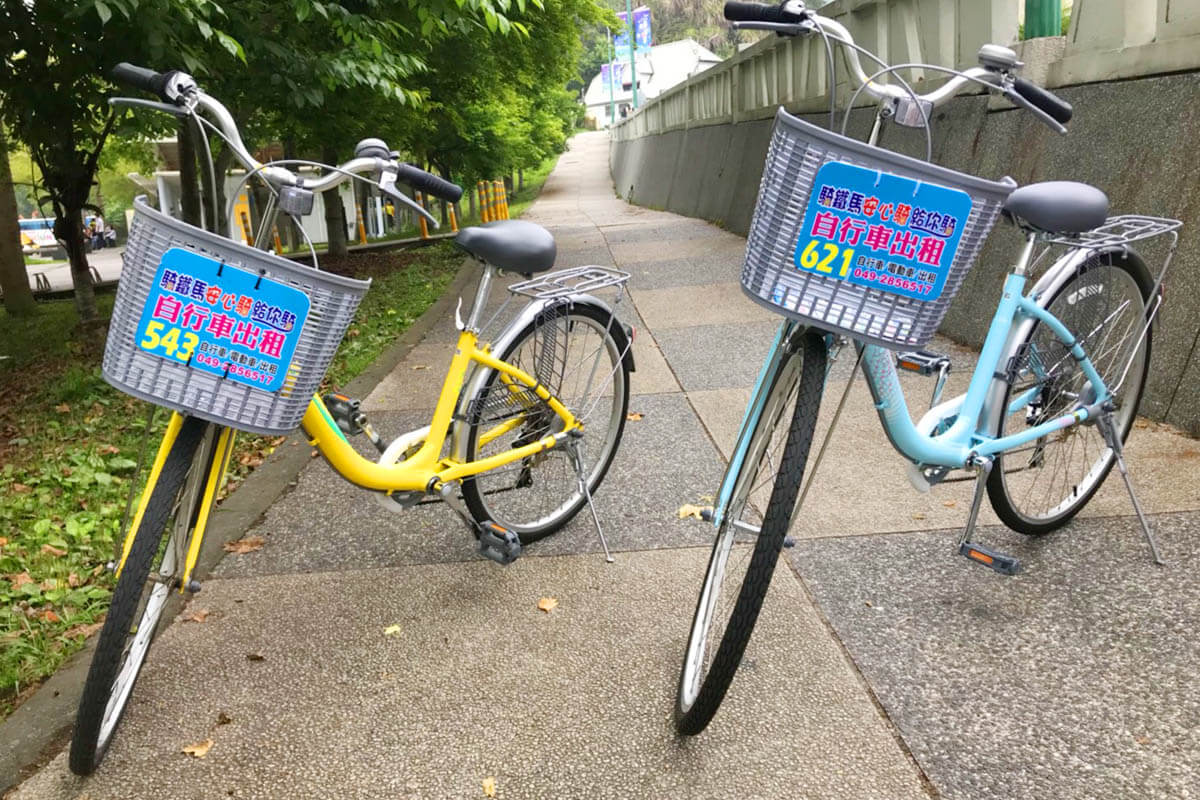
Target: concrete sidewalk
pixel 882 667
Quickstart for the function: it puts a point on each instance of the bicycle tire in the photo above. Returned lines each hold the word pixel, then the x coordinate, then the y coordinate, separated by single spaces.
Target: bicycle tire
pixel 91 736
pixel 497 496
pixel 1082 300
pixel 701 691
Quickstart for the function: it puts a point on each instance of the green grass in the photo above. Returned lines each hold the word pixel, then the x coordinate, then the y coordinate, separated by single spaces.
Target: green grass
pixel 69 444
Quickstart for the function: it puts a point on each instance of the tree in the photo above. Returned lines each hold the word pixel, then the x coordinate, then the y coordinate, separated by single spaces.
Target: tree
pixel 506 107
pixel 55 59
pixel 14 280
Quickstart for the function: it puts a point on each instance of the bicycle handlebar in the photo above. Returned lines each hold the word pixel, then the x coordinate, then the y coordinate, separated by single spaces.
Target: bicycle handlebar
pixel 790 18
pixel 1058 109
pixel 179 89
pixel 428 182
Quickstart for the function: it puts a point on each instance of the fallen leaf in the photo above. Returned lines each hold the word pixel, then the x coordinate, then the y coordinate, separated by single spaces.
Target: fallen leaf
pixel 73 580
pixel 243 546
pixel 3 541
pixel 250 460
pixel 109 450
pixel 50 549
pixel 688 510
pixel 200 749
pixel 315 453
pixel 63 408
pixel 391 630
pixel 867 603
pixel 255 657
pixel 224 719
pixel 199 615
pixel 634 416
pixel 1142 740
pixel 50 616
pixel 548 604
pixel 949 504
pixel 918 515
pixel 489 786
pixel 83 630
pixel 1141 424
pixel 419 366
pixel 20 488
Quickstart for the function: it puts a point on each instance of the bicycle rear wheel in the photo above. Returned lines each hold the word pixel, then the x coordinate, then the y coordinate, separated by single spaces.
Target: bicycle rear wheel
pixel 143 590
pixel 579 352
pixel 1038 488
pixel 745 552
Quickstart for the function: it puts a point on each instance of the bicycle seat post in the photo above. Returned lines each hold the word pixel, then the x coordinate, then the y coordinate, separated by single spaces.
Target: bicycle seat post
pixel 481 297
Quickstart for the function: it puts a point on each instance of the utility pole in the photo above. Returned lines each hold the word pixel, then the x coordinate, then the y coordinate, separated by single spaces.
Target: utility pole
pixel 1043 18
pixel 612 65
pixel 632 52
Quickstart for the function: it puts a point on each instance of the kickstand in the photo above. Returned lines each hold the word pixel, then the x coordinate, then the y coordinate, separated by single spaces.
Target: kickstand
pixel 1109 429
pixel 999 562
pixel 577 460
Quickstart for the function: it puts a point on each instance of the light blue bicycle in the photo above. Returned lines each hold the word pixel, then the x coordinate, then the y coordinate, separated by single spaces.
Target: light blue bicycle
pixel 855 244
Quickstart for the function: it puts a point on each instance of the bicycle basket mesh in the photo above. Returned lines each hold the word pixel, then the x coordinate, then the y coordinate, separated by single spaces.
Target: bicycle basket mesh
pixel 167 382
pixel 875 314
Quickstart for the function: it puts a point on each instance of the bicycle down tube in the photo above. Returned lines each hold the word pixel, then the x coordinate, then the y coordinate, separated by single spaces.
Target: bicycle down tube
pixel 426 469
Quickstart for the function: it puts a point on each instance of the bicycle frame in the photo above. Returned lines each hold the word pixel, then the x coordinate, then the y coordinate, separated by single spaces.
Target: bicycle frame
pixel 426 470
pixel 970 435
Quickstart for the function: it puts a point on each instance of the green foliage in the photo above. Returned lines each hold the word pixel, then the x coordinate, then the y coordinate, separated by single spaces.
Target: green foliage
pixel 507 106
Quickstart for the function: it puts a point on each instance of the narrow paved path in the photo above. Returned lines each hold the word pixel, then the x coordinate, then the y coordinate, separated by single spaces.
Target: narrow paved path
pixel 883 666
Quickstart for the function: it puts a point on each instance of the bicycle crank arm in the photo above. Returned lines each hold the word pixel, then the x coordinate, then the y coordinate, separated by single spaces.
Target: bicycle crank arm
pixel 999 562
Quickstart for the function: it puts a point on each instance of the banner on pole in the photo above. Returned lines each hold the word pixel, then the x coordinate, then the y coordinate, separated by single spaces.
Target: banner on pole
pixel 641 30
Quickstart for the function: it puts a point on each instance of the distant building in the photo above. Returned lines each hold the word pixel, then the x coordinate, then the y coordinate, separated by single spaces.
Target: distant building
pixel 664 66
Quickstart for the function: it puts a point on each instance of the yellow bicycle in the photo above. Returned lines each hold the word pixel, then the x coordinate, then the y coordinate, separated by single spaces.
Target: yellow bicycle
pixel 234 338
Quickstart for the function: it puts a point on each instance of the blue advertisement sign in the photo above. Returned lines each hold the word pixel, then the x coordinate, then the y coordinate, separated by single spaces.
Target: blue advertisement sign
pixel 641 30
pixel 221 319
pixel 881 231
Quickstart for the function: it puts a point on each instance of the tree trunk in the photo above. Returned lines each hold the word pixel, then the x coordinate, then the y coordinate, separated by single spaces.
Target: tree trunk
pixel 471 198
pixel 189 182
pixel 335 213
pixel 68 227
pixel 221 165
pixel 14 279
pixel 521 180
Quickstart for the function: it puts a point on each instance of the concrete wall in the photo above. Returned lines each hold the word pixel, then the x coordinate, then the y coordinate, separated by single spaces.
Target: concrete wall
pixel 1134 138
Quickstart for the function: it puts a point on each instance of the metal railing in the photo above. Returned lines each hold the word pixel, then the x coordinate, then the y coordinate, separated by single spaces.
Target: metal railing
pixel 1108 39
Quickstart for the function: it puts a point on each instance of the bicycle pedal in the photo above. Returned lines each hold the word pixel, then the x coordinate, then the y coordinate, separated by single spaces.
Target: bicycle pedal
pixel 499 544
pixel 350 420
pixel 345 413
pixel 1005 565
pixel 922 362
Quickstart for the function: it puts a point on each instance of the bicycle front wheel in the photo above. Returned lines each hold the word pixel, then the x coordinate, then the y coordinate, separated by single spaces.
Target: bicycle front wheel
pixel 142 592
pixel 579 353
pixel 748 543
pixel 1039 487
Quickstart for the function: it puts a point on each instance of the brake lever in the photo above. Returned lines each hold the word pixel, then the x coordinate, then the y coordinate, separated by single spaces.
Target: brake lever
pixel 1016 99
pixel 153 105
pixel 780 28
pixel 387 185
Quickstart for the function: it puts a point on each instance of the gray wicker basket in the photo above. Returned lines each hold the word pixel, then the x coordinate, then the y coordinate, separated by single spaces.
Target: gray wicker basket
pixel 862 309
pixel 186 387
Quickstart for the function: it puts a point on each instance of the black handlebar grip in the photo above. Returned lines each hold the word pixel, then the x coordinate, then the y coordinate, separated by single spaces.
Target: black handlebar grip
pixel 758 12
pixel 141 78
pixel 1058 109
pixel 426 182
